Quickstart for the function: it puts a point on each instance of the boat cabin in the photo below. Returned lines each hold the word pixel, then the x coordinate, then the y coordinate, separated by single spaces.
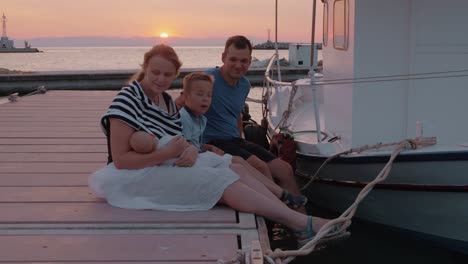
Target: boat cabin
pixel 419 51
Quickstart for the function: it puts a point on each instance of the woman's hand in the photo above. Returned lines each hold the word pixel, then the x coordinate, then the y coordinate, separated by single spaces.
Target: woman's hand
pixel 177 146
pixel 188 157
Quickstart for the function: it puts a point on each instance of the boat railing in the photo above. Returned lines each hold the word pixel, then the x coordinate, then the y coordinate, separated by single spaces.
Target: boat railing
pixel 294 86
pixel 269 69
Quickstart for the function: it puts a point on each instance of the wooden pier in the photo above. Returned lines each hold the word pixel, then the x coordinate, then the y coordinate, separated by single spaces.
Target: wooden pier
pixel 49 144
pixel 24 83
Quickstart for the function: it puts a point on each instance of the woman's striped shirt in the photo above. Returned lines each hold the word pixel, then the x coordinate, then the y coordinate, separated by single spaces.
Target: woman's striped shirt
pixel 132 106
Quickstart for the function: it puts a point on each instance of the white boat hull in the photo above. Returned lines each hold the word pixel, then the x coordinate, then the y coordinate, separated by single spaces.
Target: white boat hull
pixel 428 198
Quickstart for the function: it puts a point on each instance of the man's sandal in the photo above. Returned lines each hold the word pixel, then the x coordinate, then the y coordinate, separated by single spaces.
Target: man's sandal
pixel 338 233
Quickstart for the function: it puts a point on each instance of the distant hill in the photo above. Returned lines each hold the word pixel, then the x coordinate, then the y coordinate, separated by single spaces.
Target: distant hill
pixel 86 41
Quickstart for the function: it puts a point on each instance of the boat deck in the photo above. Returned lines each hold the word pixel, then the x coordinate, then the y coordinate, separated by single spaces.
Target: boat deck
pixel 49 144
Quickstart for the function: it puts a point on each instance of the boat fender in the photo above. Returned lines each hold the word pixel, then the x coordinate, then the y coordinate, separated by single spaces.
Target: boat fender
pixel 283 146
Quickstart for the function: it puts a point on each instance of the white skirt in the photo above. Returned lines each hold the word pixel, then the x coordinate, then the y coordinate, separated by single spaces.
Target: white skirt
pixel 162 187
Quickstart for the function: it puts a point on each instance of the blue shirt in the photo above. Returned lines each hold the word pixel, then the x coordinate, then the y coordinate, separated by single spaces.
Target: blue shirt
pixel 226 106
pixel 192 127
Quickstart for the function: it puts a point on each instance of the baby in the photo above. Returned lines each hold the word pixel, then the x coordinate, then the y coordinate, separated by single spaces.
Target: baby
pixel 144 143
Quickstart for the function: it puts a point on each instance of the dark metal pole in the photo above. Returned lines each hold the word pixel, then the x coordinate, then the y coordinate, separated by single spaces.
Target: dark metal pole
pixel 276 41
pixel 276 21
pixel 312 51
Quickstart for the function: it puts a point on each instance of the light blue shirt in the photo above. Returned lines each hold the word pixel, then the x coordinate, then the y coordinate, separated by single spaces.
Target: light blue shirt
pixel 226 106
pixel 192 127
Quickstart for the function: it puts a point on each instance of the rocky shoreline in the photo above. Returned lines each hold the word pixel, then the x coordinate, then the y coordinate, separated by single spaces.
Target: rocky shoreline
pixel 7 71
pixel 271 45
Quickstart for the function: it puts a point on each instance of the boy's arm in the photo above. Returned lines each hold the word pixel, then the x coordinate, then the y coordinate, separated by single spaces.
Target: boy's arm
pixel 186 126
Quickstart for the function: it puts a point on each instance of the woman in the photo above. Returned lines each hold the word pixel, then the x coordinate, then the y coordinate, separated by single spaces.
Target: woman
pixel 135 181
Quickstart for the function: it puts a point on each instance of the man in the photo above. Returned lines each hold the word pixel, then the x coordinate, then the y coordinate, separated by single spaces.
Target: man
pixel 224 124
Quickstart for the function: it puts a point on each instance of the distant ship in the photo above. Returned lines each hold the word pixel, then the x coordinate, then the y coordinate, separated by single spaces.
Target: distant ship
pixel 7 45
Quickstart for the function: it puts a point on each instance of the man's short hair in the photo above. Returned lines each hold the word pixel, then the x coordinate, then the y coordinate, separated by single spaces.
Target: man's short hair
pixel 240 42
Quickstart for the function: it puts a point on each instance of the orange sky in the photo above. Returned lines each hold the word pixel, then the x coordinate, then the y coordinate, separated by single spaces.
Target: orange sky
pixel 145 18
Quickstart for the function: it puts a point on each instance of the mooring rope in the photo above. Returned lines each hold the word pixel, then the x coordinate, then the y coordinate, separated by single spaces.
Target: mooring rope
pixel 284 257
pixel 284 119
pixel 40 90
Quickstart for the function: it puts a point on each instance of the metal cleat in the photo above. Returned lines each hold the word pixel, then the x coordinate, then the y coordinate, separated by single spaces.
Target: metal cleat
pixel 41 89
pixel 13 97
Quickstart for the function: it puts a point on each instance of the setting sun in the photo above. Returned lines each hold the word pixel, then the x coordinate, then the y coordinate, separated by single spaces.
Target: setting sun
pixel 164 35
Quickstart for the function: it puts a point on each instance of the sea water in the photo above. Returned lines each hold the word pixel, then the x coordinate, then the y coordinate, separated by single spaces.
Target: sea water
pixel 112 58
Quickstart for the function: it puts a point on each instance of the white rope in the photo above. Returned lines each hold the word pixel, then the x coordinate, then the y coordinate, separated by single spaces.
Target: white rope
pixel 284 120
pixel 40 90
pixel 287 256
pixel 270 82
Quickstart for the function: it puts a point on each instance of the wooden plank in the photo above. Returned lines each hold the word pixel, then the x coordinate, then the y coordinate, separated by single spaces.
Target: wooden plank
pixel 50 167
pixel 54 141
pixel 92 213
pixel 116 248
pixel 59 96
pixel 64 107
pixel 53 119
pixel 48 179
pixel 53 157
pixel 22 128
pixel 53 149
pixel 83 110
pixel 34 134
pixel 50 114
pixel 47 194
pixel 49 124
pixel 56 109
pixel 61 100
pixel 126 262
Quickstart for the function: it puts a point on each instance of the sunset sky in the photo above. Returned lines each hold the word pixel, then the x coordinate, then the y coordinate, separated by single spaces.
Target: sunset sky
pixel 149 18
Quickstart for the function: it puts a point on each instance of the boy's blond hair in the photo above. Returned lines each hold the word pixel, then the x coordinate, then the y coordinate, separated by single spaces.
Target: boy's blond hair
pixel 195 76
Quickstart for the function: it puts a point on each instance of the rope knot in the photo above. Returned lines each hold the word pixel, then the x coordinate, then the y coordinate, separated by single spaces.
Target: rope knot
pixel 409 144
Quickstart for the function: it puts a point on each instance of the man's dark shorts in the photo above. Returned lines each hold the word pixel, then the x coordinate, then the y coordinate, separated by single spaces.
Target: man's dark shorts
pixel 243 148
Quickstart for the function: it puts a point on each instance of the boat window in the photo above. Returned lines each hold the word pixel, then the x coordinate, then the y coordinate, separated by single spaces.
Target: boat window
pixel 340 24
pixel 325 24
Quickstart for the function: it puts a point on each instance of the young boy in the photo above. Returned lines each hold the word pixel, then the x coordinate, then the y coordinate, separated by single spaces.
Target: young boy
pixel 197 91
